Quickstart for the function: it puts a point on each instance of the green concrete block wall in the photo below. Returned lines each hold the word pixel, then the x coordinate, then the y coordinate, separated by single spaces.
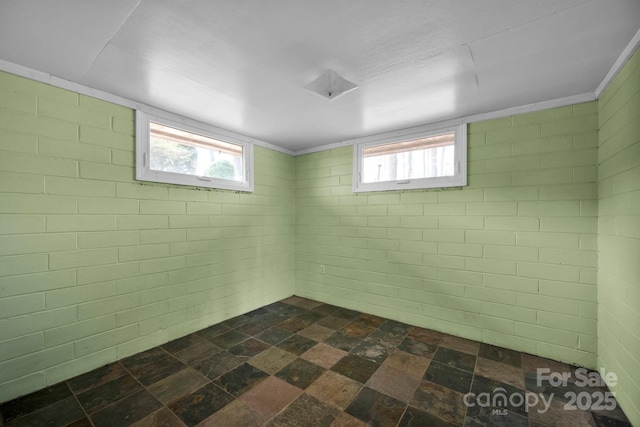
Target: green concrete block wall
pixel 95 266
pixel 508 260
pixel 619 235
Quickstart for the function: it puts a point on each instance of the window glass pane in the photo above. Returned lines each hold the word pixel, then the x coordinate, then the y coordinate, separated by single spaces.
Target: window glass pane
pixel 179 151
pixel 419 158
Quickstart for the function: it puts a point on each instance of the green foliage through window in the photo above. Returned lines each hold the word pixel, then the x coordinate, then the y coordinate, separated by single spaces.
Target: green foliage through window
pixel 168 156
pixel 221 169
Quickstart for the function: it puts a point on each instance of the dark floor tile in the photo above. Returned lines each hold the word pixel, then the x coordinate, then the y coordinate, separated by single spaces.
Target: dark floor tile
pixel 342 341
pixel 316 332
pixel 272 360
pixel 82 422
pixel 616 413
pixel 481 385
pixel 554 414
pixel 153 372
pixel 334 389
pixel 127 411
pixel 394 383
pixel 395 327
pixel 273 335
pixel 298 323
pixel 461 344
pixel 532 383
pixel 234 322
pixel 212 331
pixel 296 344
pixel 499 354
pixel 34 401
pixel 271 396
pixel 136 361
pixel 323 355
pixel 235 414
pixel 388 338
pixel 376 408
pixel 358 329
pixel 241 379
pixel 162 418
pixel 181 343
pixel 218 364
pixel 259 312
pixel 200 351
pixel 301 302
pixel 105 394
pixel 306 411
pixel 414 417
pixel 371 320
pixel 294 300
pixel 277 306
pixel 332 322
pixel 419 348
pixel 371 350
pixel 533 363
pixel 311 316
pixel 326 309
pixel 59 413
pixel 455 358
pixel 604 421
pixel 499 371
pixel 247 349
pixel 345 313
pixel 177 385
pixel 228 339
pixel 346 420
pixel 201 404
pixel 300 373
pixel 440 401
pixel 275 317
pixel 412 365
pixel 291 310
pixel 453 378
pixel 493 417
pixel 426 335
pixel 96 377
pixel 356 368
pixel 253 327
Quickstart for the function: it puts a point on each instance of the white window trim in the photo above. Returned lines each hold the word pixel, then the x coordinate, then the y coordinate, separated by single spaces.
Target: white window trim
pixel 459 179
pixel 145 173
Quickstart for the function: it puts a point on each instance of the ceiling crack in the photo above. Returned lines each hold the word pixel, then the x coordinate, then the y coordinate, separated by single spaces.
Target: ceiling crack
pixel 524 24
pixel 124 21
pixel 473 65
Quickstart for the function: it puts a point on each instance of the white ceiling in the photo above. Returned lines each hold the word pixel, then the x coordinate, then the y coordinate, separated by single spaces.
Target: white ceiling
pixel 243 64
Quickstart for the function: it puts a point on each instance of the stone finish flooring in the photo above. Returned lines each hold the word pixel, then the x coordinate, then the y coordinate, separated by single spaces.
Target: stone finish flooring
pixel 303 363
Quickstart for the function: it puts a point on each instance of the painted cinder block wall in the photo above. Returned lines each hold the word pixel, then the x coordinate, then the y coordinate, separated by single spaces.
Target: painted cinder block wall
pixel 509 260
pixel 619 235
pixel 95 266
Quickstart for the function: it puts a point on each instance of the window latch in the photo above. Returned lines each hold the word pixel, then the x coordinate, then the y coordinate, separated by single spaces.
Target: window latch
pixel 204 178
pixel 406 181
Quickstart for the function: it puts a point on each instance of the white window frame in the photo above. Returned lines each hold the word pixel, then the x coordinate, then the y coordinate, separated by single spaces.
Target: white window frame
pixel 459 179
pixel 145 173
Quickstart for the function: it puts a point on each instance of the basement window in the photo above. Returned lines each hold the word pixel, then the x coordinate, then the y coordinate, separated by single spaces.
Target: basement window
pixel 170 150
pixel 410 159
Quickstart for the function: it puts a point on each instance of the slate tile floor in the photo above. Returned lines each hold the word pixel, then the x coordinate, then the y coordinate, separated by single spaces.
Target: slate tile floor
pixel 302 363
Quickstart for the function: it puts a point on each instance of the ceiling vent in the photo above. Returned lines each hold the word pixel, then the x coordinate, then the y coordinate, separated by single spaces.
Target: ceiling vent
pixel 330 85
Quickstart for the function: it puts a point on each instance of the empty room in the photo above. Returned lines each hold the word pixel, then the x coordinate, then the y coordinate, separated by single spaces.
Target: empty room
pixel 320 213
